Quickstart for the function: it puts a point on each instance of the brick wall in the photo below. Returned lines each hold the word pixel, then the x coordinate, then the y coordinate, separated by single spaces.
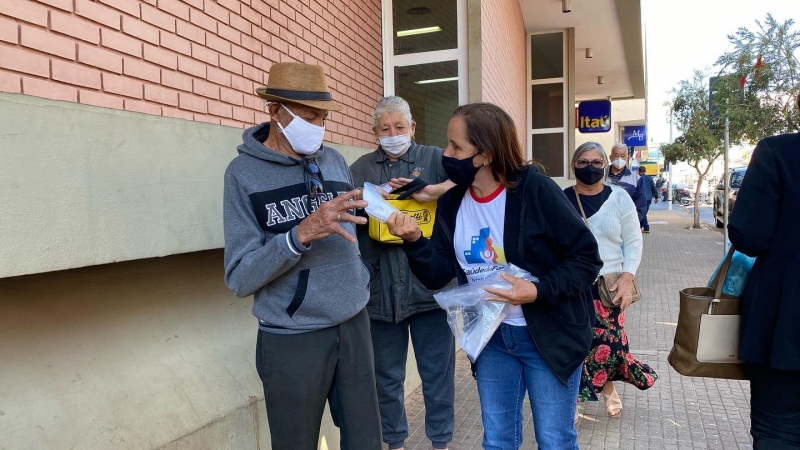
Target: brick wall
pixel 503 54
pixel 193 59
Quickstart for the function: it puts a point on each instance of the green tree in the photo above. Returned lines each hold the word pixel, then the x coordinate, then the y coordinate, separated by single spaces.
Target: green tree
pixel 700 143
pixel 757 87
pixel 762 74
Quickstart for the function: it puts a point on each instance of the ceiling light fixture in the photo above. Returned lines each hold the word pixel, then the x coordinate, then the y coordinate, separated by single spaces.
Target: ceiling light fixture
pixel 437 80
pixel 418 31
pixel 566 6
pixel 601 80
pixel 589 53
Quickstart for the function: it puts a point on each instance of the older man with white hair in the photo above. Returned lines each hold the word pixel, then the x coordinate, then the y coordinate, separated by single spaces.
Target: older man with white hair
pixel 620 175
pixel 399 304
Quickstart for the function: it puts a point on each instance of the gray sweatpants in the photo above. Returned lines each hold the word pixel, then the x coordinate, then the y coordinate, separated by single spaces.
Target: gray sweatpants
pixel 300 372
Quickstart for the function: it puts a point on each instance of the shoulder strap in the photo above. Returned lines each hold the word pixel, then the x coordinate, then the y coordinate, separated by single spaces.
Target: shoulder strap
pixel 580 206
pixel 719 282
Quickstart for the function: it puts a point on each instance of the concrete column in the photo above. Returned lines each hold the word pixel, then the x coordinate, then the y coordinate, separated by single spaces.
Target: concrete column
pixel 474 51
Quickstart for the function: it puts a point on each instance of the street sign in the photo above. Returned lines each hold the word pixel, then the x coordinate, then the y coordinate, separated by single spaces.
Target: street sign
pixel 713 88
pixel 594 116
pixel 635 136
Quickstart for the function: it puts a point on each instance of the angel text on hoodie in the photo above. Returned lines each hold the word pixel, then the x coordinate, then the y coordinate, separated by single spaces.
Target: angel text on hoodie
pixel 296 288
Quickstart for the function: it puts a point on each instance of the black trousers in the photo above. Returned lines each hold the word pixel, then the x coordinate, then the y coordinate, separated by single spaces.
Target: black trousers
pixel 775 408
pixel 300 372
pixel 434 349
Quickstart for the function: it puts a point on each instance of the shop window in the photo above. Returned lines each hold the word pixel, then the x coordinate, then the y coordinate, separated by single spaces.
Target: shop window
pixel 432 92
pixel 424 26
pixel 547 105
pixel 425 61
pixel 547 121
pixel 548 152
pixel 547 57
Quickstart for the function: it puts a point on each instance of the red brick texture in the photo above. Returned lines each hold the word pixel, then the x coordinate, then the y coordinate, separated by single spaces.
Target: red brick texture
pixel 193 59
pixel 503 55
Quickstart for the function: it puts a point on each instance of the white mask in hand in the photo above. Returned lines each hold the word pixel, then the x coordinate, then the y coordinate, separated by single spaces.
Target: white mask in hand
pixel 619 163
pixel 395 146
pixel 305 138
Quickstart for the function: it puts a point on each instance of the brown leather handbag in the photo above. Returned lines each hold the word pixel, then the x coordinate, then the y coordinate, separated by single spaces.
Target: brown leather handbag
pixel 604 284
pixel 607 281
pixel 707 337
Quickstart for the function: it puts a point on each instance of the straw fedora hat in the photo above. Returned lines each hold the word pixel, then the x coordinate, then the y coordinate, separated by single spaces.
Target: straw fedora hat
pixel 298 83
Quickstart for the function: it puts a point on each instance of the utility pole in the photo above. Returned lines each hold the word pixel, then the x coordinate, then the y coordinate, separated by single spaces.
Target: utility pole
pixel 727 189
pixel 669 188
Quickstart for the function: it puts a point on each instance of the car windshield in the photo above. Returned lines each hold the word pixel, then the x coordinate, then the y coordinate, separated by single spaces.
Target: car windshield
pixel 736 178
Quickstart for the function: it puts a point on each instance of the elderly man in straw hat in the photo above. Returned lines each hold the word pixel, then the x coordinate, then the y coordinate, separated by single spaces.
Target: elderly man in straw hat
pixel 290 242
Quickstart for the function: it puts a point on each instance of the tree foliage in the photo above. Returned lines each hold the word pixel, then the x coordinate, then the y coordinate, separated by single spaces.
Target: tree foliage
pixel 691 114
pixel 765 61
pixel 757 88
pixel 700 143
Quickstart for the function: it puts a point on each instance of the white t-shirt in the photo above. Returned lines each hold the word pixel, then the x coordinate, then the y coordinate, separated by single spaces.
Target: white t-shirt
pixel 478 241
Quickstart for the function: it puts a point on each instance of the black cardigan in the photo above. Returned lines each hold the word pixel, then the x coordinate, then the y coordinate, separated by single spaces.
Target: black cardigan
pixel 543 235
pixel 764 223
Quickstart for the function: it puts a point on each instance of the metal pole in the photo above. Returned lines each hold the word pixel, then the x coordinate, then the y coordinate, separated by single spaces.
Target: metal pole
pixel 669 188
pixel 727 190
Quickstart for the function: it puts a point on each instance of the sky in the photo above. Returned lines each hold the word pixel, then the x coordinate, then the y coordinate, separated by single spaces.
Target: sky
pixel 684 35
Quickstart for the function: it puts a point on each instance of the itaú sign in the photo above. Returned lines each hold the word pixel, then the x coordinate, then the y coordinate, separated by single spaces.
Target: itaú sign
pixel 594 116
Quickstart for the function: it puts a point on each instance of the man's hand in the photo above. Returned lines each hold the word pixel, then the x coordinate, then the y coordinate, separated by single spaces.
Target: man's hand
pixel 403 226
pixel 655 199
pixel 522 291
pixel 326 220
pixel 623 289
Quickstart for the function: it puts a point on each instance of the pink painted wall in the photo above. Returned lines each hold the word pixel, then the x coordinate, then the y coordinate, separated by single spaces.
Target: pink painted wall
pixel 193 59
pixel 503 53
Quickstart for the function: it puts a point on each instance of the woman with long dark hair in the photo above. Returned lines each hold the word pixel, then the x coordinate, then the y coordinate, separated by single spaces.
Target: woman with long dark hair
pixel 503 211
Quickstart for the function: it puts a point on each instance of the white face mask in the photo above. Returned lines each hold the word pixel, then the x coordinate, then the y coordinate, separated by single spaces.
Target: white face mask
pixel 619 163
pixel 395 146
pixel 305 138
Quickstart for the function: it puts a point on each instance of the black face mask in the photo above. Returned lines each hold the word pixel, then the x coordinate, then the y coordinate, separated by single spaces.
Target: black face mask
pixel 590 174
pixel 460 171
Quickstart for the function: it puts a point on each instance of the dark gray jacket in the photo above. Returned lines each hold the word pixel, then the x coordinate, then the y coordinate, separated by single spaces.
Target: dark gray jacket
pixel 296 288
pixel 395 293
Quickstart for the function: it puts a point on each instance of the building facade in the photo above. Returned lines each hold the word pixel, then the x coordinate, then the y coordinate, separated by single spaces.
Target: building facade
pixel 118 119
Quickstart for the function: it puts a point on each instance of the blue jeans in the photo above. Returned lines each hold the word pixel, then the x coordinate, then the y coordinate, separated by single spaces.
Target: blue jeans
pixel 508 366
pixel 643 223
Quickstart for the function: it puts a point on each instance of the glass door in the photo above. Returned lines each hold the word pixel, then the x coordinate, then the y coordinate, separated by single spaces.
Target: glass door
pixel 425 61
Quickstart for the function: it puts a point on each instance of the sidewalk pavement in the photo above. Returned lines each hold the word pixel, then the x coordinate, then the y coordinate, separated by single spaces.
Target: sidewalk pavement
pixel 677 412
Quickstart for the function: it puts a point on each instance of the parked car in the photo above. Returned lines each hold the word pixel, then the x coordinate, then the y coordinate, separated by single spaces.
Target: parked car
pixel 735 177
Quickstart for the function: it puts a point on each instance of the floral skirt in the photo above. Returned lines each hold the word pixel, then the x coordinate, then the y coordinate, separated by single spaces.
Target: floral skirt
pixel 609 358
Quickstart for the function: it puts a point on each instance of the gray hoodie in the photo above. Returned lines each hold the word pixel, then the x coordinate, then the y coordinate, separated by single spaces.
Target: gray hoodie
pixel 297 288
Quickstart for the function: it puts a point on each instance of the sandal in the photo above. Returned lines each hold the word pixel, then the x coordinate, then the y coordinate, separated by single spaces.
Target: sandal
pixel 613 402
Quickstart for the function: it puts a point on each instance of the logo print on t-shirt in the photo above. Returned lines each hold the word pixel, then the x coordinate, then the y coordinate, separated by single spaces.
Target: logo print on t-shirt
pixel 483 250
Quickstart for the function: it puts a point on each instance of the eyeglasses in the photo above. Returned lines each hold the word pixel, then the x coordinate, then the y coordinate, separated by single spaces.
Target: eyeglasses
pixel 316 192
pixel 597 163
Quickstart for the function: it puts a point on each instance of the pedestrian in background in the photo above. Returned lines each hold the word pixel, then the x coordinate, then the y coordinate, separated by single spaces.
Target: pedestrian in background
pixel 398 302
pixel 764 224
pixel 290 241
pixel 650 195
pixel 503 211
pixel 610 215
pixel 620 175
